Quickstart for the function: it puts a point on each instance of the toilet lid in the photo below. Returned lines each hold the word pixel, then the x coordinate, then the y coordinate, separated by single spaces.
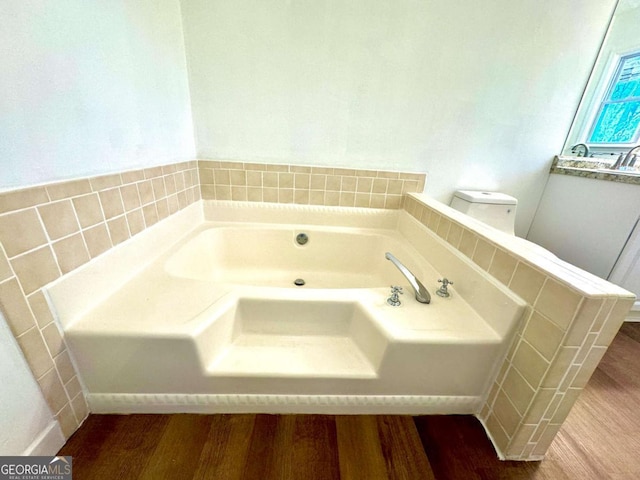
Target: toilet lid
pixel 494 198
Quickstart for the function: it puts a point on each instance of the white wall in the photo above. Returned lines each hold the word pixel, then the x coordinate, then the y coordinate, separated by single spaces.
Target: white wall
pixel 477 94
pixel 90 87
pixel 25 419
pixel 623 38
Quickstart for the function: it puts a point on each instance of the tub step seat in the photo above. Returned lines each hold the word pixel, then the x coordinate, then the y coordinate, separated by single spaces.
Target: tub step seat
pixel 293 356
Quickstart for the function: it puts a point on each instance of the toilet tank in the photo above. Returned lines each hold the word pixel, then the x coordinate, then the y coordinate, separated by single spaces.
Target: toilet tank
pixel 493 208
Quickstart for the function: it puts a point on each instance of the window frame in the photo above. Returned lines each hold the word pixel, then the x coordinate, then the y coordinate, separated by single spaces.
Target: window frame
pixel 605 99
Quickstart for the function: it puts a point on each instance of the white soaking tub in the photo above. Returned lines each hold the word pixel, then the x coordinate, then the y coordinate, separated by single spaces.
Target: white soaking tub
pixel 215 322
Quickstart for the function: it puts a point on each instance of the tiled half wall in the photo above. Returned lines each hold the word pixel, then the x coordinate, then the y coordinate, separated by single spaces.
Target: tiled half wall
pixel 556 349
pixel 50 230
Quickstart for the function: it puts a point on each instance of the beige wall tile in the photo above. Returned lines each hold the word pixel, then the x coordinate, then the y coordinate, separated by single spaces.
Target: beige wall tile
pixel 316 197
pixel 348 199
pixel 443 228
pixel 603 314
pixel 614 321
pixel 135 219
pixel 59 219
pixel 74 188
pixel 558 303
pixel 285 195
pixel 301 197
pixel 568 378
pixel 332 198
pixel 530 363
pixel 520 440
pixel 349 184
pixel 363 200
pixel 170 184
pixel 64 366
pixel 483 254
pixel 468 243
pixel 364 185
pixel 80 407
pixel 73 387
pixel 206 176
pixel 35 351
pixel 302 181
pixel 21 231
pixel 238 178
pixel 545 440
pixel 35 269
pixel 173 208
pixel 71 253
pixel 118 230
pixel 88 210
pixel 393 202
pixel 390 175
pixel 506 413
pixel 585 348
pixel 527 282
pixel 40 308
pixel 270 180
pixel 162 207
pixel 377 200
pixel 150 214
pixel 97 240
pixel 544 335
pixel 425 216
pixel 581 325
pixel 254 179
pixel 254 194
pixel 518 390
pixel 270 195
pixel 5 267
pixel 553 405
pixel 285 180
pixel 560 366
pixel 299 169
pixel 53 339
pixel 132 176
pixel 111 203
pixel 105 181
pixel 502 266
pixel 15 308
pixel 24 198
pixel 455 234
pixel 152 172
pixel 434 221
pixel 239 194
pixel 208 192
pixel 540 405
pixel 130 197
pixel 145 192
pixel 395 187
pixel 588 366
pixel 379 185
pixel 497 432
pixel 67 421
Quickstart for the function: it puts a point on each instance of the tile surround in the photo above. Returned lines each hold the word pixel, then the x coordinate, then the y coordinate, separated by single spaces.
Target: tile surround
pixel 554 352
pixel 306 185
pixel 47 231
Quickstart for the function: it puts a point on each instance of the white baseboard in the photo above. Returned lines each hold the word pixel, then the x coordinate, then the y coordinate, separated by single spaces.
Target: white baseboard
pixel 48 443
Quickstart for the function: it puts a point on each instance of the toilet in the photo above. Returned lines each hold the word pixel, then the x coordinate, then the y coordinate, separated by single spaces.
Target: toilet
pixel 497 210
pixel 493 208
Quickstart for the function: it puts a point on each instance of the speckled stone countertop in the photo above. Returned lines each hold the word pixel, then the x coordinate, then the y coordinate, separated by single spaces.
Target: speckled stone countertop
pixel 592 168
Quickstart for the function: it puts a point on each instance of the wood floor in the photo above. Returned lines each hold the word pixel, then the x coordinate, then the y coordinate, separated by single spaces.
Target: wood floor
pixel 600 440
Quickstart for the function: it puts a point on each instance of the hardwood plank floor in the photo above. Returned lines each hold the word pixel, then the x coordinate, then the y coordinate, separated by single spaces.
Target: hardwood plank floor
pixel 599 440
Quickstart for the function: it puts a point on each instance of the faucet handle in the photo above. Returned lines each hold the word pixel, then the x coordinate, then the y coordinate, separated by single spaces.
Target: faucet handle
pixel 442 291
pixel 393 299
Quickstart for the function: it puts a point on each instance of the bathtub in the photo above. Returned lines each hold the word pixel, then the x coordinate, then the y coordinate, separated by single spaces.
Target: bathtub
pixel 216 319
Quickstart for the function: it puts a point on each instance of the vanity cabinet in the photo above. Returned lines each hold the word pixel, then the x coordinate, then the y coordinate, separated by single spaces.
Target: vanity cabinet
pixel 588 222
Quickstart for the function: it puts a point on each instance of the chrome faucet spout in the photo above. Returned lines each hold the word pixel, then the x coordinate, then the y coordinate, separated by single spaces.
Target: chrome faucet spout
pixel 630 153
pixel 422 295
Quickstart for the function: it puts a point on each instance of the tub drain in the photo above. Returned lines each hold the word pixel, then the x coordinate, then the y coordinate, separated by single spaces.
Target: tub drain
pixel 299 282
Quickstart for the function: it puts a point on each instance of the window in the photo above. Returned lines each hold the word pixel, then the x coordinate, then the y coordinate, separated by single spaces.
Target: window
pixel 618 118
